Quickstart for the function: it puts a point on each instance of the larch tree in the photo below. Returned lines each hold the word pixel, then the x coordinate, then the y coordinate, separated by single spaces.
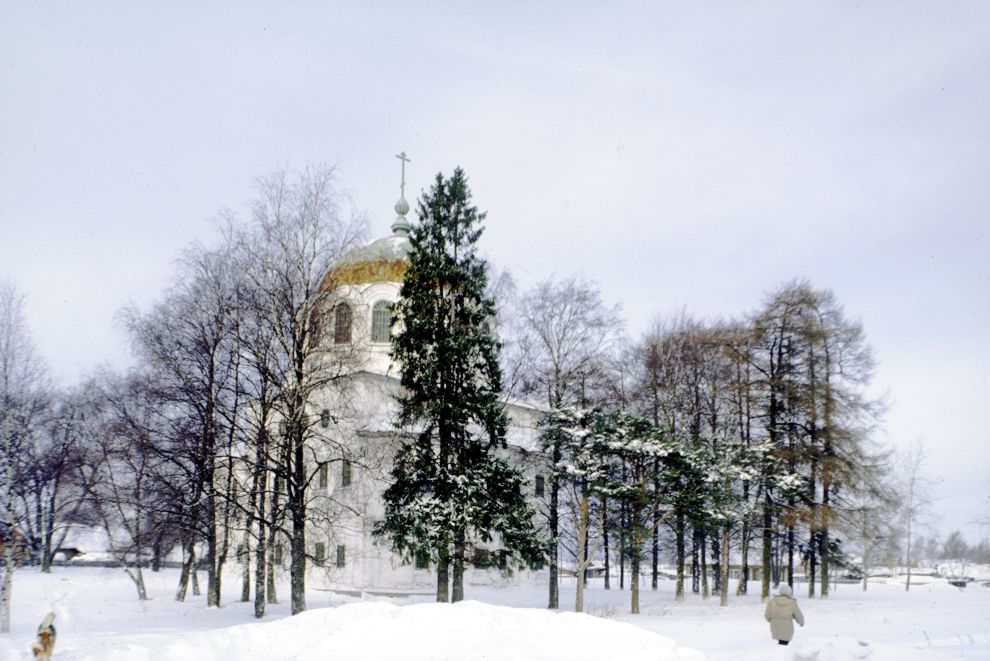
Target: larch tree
pixel 449 485
pixel 814 366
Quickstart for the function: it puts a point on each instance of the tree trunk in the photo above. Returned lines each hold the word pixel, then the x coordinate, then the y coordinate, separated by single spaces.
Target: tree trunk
pixel 553 599
pixel 270 547
pixel 790 555
pixel 724 592
pixel 581 547
pixel 655 552
pixel 6 585
pixel 812 565
pixel 765 553
pixel 703 552
pixel 264 546
pixel 457 583
pixel 49 532
pixel 823 553
pixel 742 586
pixel 679 544
pixel 137 577
pixel 695 562
pixel 623 526
pixel 634 582
pixel 297 505
pixel 187 566
pixel 260 569
pixel 245 557
pixel 608 567
pixel 443 578
pixel 212 573
pixel 6 581
pixel 270 591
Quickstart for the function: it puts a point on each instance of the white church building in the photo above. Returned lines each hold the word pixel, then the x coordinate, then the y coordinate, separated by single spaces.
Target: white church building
pixel 346 492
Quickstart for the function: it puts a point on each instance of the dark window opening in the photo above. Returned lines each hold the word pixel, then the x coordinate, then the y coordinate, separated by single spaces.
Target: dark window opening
pixel 342 324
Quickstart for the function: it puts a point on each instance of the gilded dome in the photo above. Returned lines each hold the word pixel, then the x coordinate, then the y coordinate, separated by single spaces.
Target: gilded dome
pixel 382 260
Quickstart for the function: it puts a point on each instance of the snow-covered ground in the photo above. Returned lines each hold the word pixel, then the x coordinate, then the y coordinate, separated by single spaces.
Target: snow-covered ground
pixel 98 617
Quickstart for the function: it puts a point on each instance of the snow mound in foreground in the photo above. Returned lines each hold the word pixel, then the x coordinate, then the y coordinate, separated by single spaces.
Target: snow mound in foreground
pixel 467 631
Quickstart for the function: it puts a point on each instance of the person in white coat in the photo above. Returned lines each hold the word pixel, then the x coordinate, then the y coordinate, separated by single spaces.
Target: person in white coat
pixel 782 612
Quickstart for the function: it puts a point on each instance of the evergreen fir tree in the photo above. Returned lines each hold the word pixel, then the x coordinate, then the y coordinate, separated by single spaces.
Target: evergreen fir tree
pixel 449 487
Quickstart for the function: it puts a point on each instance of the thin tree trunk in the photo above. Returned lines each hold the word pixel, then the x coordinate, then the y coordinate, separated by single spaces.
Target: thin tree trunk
pixel 553 599
pixel 260 569
pixel 812 565
pixel 823 553
pixel 270 591
pixel 724 582
pixel 581 548
pixel 679 544
pixel 49 531
pixel 634 581
pixel 703 552
pixel 187 567
pixel 655 553
pixel 457 583
pixel 742 586
pixel 608 567
pixel 297 506
pixel 245 557
pixel 790 555
pixel 443 577
pixel 765 553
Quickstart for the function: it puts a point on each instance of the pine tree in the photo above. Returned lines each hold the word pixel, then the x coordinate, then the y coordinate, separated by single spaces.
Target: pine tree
pixel 449 486
pixel 581 466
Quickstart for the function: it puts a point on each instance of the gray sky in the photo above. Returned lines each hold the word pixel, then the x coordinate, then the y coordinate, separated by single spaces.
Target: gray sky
pixel 683 155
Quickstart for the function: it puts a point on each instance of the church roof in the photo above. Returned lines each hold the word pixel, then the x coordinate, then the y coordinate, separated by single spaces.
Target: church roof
pixel 382 260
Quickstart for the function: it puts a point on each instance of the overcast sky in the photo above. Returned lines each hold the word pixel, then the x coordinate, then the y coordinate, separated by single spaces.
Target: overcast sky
pixel 683 155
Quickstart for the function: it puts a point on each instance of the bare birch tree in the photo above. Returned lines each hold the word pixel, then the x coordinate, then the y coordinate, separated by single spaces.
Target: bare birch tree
pixel 916 499
pixel 301 226
pixel 565 334
pixel 22 380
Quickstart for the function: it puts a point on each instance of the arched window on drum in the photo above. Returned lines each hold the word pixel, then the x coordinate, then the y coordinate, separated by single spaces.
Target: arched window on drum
pixel 381 322
pixel 342 324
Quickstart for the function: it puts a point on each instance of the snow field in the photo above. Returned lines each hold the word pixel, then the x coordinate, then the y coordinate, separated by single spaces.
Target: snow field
pixel 98 617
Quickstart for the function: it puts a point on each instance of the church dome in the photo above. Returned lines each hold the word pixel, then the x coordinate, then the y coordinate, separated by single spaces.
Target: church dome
pixel 382 260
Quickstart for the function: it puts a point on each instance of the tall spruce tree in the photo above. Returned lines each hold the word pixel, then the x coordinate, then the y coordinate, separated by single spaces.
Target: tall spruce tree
pixel 449 486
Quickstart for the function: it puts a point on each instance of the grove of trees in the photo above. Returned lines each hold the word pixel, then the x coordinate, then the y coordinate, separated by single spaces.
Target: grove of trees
pixel 741 447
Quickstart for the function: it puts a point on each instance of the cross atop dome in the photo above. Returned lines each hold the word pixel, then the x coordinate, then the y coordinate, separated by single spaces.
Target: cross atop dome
pixel 401 226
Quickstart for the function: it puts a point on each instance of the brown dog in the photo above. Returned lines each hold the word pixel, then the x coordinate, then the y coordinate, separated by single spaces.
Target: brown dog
pixel 43 647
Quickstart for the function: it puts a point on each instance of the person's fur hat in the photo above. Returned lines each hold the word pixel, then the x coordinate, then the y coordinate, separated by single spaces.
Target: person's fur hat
pixel 784 590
